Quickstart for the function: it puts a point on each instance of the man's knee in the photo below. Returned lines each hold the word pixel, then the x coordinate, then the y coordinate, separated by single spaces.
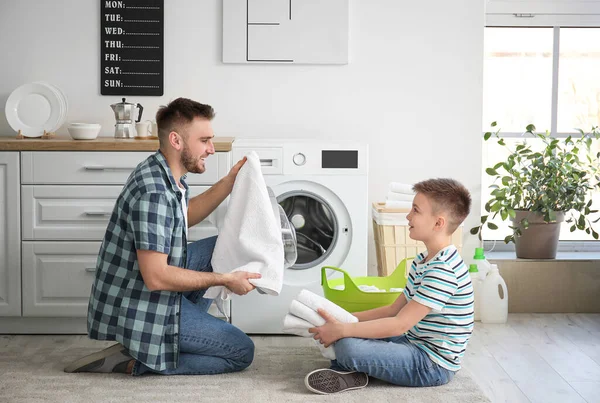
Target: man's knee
pixel 246 354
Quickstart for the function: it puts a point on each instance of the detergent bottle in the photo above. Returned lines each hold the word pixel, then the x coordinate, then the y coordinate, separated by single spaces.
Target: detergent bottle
pixel 494 298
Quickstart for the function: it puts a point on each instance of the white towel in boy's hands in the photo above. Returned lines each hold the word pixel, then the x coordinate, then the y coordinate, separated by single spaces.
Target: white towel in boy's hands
pixel 250 237
pixel 299 327
pixel 316 302
pixel 303 312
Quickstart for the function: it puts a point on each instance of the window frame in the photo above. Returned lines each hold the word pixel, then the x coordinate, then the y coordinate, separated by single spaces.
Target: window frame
pixel 556 22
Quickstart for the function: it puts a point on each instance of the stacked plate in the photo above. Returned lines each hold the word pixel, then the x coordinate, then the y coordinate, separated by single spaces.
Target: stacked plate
pixel 35 107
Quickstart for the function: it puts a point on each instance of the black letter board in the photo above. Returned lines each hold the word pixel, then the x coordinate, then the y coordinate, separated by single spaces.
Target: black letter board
pixel 131 47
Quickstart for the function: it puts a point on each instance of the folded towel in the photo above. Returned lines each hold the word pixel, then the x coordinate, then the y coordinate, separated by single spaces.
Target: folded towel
pixel 400 196
pixel 299 327
pixel 396 204
pixel 295 325
pixel 303 312
pixel 250 237
pixel 401 188
pixel 315 302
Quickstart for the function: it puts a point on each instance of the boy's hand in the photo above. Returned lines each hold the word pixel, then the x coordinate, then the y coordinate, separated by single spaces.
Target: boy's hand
pixel 330 332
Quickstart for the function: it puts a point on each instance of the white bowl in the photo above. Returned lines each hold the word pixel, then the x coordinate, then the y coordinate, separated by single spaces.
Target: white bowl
pixel 84 131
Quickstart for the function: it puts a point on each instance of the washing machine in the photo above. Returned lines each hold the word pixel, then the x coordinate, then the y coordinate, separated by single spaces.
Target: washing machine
pixel 323 189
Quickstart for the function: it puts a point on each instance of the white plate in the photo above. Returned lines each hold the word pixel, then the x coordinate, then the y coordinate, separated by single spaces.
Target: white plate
pixel 33 108
pixel 63 103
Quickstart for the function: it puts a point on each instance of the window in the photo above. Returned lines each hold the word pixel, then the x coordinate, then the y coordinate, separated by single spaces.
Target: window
pixel 545 76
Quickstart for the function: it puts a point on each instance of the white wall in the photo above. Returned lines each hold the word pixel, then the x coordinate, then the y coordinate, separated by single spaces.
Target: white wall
pixel 412 89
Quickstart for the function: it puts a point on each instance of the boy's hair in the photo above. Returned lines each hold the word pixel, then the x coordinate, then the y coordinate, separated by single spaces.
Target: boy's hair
pixel 179 113
pixel 449 196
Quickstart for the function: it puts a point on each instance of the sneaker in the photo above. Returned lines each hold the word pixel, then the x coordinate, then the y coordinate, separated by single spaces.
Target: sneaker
pixel 112 359
pixel 327 381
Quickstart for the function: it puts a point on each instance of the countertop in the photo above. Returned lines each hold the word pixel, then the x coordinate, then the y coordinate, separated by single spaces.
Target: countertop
pixel 66 143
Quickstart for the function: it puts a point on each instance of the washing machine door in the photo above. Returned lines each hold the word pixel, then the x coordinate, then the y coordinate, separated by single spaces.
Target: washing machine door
pixel 323 229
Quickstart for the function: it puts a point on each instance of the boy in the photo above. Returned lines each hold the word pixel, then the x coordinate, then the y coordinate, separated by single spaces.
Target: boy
pixel 420 338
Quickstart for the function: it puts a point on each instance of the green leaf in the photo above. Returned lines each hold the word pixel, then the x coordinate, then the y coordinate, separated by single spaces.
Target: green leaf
pixel 504 214
pixel 508 239
pixel 487 136
pixel 493 124
pixel 501 142
pixel 512 213
pixel 484 219
pixel 491 225
pixel 573 228
pixel 530 128
pixel 506 180
pixel 491 171
pixel 474 230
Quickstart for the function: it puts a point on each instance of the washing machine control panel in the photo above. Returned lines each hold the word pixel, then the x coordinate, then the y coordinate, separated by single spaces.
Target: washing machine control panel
pixel 299 159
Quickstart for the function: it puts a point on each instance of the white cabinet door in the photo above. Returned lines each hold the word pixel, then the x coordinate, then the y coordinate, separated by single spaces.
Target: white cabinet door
pixel 10 235
pixel 67 212
pixel 57 277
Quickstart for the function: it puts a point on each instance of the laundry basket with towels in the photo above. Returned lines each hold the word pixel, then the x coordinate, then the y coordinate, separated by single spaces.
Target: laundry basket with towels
pixel 363 293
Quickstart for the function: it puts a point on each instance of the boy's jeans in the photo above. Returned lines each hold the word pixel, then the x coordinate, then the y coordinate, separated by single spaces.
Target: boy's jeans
pixel 395 360
pixel 207 345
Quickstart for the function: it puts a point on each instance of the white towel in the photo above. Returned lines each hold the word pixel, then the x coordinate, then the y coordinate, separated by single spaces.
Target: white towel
pixel 250 237
pixel 299 327
pixel 303 312
pixel 401 188
pixel 315 302
pixel 396 204
pixel 400 196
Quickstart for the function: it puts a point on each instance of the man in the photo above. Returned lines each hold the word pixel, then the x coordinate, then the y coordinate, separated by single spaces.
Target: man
pixel 149 284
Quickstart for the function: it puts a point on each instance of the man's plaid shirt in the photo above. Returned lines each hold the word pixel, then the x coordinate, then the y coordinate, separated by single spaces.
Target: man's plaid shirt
pixel 147 216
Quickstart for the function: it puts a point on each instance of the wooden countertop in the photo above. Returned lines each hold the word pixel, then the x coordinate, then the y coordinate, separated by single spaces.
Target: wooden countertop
pixel 66 143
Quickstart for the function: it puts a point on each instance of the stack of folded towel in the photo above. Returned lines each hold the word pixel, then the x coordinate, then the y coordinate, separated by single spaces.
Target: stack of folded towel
pixel 303 315
pixel 399 196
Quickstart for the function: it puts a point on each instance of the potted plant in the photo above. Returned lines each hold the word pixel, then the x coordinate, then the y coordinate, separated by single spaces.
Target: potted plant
pixel 537 188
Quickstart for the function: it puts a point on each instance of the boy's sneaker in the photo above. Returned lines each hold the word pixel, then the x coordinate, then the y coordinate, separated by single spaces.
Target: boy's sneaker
pixel 326 381
pixel 112 359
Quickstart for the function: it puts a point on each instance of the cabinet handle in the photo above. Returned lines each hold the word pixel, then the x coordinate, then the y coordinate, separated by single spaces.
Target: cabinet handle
pixel 90 269
pixel 97 213
pixel 102 168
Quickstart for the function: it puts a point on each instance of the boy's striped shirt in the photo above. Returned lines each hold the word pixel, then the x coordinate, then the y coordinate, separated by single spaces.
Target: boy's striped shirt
pixel 443 284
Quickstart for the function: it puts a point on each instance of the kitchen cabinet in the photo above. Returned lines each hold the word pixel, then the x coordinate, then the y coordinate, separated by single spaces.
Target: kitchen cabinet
pixel 55 207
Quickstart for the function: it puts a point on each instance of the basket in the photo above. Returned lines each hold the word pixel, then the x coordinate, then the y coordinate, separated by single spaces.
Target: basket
pixel 392 242
pixel 353 299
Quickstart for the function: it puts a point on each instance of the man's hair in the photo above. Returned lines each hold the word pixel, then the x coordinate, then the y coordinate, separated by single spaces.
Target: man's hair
pixel 449 196
pixel 178 114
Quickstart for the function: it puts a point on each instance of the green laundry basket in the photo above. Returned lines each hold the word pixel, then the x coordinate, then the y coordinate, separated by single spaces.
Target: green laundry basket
pixel 353 299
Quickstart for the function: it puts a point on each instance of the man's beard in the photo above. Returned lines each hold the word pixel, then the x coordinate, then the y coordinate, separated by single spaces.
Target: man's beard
pixel 189 162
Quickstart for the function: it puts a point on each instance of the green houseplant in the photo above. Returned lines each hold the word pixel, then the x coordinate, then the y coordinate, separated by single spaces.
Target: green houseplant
pixel 537 188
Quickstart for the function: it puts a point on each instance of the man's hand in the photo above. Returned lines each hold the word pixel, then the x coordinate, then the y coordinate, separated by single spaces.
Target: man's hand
pixel 238 282
pixel 330 332
pixel 234 171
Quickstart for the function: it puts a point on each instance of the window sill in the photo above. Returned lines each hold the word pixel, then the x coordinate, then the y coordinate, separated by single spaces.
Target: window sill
pixel 560 256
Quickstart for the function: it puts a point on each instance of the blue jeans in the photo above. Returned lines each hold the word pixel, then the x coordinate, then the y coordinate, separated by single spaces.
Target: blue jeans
pixel 395 360
pixel 207 345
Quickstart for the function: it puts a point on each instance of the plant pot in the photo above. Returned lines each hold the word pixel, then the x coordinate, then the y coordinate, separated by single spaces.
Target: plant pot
pixel 540 239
